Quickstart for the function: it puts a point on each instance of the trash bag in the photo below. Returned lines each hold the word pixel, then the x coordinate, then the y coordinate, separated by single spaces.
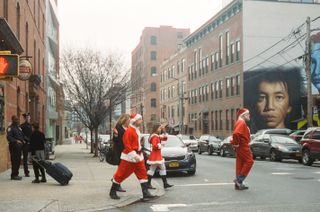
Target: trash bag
pixel 112 157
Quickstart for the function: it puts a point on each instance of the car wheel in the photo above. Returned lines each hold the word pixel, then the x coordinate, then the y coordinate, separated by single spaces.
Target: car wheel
pixel 199 151
pixel 210 151
pixel 192 172
pixel 274 156
pixel 300 160
pixel 262 158
pixel 101 156
pixel 222 154
pixel 218 152
pixel 306 157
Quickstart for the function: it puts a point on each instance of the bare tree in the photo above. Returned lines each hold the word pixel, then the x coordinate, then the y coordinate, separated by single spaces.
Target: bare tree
pixel 94 84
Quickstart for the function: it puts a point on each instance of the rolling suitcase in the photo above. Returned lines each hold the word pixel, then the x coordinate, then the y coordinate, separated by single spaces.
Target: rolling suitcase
pixel 57 171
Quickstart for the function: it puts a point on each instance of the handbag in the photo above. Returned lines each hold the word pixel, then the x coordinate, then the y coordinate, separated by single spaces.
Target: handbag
pixel 112 157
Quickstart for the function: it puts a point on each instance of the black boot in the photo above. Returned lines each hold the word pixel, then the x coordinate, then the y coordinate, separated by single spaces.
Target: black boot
pixel 146 194
pixel 113 191
pixel 120 189
pixel 149 182
pixel 165 182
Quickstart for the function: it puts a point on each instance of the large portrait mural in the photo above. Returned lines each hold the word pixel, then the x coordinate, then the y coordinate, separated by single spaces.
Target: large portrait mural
pixel 276 95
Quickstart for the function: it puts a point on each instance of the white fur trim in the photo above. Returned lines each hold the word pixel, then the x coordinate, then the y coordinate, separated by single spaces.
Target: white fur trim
pixel 130 157
pixel 143 181
pixel 159 146
pixel 155 162
pixel 113 180
pixel 136 118
pixel 163 172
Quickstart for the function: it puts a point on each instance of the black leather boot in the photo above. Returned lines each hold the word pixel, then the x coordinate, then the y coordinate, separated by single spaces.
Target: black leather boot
pixel 120 189
pixel 145 192
pixel 113 191
pixel 165 182
pixel 149 182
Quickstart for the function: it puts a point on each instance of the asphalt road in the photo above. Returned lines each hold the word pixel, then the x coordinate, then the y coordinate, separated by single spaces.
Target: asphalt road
pixel 273 186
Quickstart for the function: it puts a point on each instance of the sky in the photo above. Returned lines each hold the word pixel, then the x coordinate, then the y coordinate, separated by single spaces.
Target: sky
pixel 116 25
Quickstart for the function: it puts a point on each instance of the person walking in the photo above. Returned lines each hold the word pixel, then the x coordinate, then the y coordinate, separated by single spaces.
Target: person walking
pixel 26 128
pixel 118 132
pixel 131 160
pixel 37 146
pixel 155 159
pixel 240 141
pixel 15 138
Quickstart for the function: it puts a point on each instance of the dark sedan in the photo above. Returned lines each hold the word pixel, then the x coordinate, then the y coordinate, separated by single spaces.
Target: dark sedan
pixel 275 147
pixel 210 144
pixel 177 156
pixel 226 149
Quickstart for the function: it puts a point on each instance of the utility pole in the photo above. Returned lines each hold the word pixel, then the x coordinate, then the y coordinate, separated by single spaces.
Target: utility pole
pixel 308 73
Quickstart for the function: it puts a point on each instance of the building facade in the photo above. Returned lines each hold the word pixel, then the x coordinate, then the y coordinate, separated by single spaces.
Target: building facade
pixel 22 32
pixel 156 45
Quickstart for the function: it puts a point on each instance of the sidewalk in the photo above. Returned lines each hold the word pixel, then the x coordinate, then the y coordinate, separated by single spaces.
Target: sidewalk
pixel 88 189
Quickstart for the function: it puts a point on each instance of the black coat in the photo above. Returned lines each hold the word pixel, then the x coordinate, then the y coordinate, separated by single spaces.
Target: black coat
pixel 37 141
pixel 117 140
pixel 27 130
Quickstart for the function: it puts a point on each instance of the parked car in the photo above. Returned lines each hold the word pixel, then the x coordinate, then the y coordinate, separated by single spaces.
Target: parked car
pixel 177 156
pixel 297 135
pixel 310 146
pixel 226 149
pixel 275 147
pixel 210 144
pixel 191 141
pixel 279 131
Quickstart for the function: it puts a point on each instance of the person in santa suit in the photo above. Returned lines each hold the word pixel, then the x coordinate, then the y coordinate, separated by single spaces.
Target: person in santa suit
pixel 240 141
pixel 131 160
pixel 155 159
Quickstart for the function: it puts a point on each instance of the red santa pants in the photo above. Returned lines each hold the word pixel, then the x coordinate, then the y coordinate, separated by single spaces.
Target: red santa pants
pixel 125 169
pixel 244 162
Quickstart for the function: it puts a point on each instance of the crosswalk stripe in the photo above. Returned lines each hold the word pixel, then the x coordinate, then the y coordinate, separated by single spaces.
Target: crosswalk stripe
pixel 204 184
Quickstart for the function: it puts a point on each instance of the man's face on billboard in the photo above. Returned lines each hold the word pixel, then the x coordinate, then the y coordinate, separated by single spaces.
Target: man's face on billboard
pixel 273 103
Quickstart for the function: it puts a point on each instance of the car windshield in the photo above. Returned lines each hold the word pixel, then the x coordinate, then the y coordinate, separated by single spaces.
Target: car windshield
pixel 214 139
pixel 173 141
pixel 188 137
pixel 283 140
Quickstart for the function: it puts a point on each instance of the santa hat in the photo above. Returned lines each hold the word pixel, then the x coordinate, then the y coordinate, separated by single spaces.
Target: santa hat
pixel 241 112
pixel 135 117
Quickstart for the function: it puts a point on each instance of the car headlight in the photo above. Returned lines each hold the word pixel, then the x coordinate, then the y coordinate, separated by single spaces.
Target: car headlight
pixel 283 149
pixel 188 156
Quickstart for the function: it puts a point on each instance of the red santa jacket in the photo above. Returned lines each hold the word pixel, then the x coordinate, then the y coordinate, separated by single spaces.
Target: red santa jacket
pixel 131 143
pixel 156 156
pixel 241 136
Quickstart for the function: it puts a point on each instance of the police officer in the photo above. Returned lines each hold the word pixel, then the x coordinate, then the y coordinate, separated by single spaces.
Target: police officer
pixel 27 131
pixel 15 138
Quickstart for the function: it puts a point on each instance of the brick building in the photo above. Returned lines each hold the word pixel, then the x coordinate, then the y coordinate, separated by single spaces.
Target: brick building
pixel 22 25
pixel 156 45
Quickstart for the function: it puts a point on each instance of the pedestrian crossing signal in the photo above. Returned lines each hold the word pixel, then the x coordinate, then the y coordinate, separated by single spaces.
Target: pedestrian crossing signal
pixel 9 65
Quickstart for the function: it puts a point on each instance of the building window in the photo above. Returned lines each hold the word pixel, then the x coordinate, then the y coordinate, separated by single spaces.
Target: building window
pixel 220 88
pixel 200 94
pixel 216 119
pixel 227 86
pixel 207 64
pixel 212 121
pixel 18 21
pixel 27 38
pixel 217 89
pixel 153 55
pixel 238 85
pixel 237 50
pixel 183 63
pixel 217 59
pixel 153 103
pixel 212 62
pixel 5 9
pixel 212 90
pixel 227 119
pixel 233 85
pixel 153 87
pixel 221 122
pixel 233 49
pixel 220 50
pixel 153 71
pixel 207 92
pixel 227 47
pixel 232 117
pixel 153 40
pixel 35 55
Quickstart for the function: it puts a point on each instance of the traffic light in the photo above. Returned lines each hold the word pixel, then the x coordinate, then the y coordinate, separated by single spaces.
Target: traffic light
pixel 9 65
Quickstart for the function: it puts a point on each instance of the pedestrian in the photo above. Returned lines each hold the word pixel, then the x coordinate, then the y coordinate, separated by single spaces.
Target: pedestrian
pixel 240 141
pixel 15 138
pixel 27 131
pixel 131 160
pixel 37 146
pixel 155 159
pixel 118 132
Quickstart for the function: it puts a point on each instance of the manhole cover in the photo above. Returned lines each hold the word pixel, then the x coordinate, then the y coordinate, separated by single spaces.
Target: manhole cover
pixel 304 178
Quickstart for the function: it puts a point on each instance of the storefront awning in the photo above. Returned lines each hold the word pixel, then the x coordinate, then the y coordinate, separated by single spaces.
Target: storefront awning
pixel 8 40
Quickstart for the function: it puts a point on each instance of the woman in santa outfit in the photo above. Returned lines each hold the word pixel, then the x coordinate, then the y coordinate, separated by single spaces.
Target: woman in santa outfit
pixel 131 160
pixel 155 159
pixel 240 141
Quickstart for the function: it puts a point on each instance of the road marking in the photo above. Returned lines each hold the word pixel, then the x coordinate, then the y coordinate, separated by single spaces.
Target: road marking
pixel 166 207
pixel 281 173
pixel 206 180
pixel 205 184
pixel 317 172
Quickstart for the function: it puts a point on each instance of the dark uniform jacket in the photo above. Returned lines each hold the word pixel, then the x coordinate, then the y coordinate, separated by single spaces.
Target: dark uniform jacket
pixel 14 133
pixel 27 131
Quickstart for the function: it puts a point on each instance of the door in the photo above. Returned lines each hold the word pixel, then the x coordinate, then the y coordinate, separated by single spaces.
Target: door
pixel 315 142
pixel 255 146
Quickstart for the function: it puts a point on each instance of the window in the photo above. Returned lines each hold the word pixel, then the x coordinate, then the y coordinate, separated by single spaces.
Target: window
pixel 154 71
pixel 220 50
pixel 232 116
pixel 233 85
pixel 227 86
pixel 153 40
pixel 200 94
pixel 153 55
pixel 217 89
pixel 195 60
pixel 153 87
pixel 207 92
pixel 172 111
pixel 212 62
pixel 207 64
pixel 232 52
pixel 221 122
pixel 220 88
pixel 212 90
pixel 238 85
pixel 169 93
pixel 18 21
pixel 153 103
pixel 227 47
pixel 212 121
pixel 5 9
pixel 216 119
pixel 217 59
pixel 183 63
pixel 227 119
pixel 237 50
pixel 34 55
pixel 27 38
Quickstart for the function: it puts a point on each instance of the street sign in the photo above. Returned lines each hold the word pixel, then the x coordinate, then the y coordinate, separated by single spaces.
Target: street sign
pixel 25 69
pixel 9 64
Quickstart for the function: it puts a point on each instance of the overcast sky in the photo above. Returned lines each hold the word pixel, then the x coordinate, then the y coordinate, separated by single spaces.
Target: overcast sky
pixel 116 25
